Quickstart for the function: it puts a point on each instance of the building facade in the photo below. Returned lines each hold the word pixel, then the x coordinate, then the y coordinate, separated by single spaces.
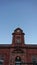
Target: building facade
pixel 18 53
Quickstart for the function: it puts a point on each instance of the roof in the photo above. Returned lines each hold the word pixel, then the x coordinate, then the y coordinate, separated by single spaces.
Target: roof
pixel 25 46
pixel 5 45
pixel 18 29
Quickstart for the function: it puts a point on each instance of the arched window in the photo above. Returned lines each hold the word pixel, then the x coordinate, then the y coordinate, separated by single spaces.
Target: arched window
pixel 18 61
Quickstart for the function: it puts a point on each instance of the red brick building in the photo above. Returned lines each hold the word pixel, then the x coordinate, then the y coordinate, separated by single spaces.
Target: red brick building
pixel 18 53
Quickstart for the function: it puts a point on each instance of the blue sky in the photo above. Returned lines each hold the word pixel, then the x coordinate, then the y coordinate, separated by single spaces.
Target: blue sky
pixel 18 13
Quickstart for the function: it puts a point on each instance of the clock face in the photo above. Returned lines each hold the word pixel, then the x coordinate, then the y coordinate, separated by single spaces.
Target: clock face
pixel 18 30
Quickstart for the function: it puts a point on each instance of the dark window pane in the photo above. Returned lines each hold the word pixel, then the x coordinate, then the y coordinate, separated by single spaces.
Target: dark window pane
pixel 1 63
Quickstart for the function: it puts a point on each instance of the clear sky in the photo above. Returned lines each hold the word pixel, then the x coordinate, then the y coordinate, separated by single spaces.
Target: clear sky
pixel 18 13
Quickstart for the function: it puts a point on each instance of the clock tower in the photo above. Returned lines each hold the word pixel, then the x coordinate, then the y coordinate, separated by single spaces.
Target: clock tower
pixel 18 37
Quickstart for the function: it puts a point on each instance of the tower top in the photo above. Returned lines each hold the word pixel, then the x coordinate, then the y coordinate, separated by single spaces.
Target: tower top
pixel 18 37
pixel 18 31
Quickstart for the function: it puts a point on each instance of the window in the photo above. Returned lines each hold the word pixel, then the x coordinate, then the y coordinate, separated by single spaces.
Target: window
pixel 1 59
pixel 18 61
pixel 34 60
pixel 1 63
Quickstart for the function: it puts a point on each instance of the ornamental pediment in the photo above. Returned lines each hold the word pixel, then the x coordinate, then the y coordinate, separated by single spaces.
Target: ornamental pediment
pixel 18 51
